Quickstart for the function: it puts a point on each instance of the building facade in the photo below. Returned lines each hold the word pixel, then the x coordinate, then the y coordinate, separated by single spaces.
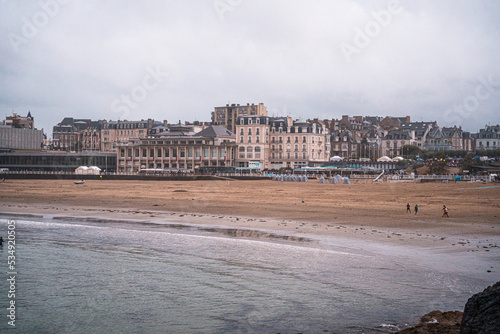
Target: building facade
pixel 214 146
pixel 279 142
pixel 115 133
pixel 488 138
pixel 394 141
pixel 227 116
pixel 12 138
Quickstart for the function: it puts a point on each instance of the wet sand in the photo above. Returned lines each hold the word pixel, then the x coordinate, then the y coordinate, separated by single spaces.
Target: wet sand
pixel 375 211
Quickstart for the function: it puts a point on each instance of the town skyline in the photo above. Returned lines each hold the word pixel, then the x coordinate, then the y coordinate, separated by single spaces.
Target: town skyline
pixel 431 61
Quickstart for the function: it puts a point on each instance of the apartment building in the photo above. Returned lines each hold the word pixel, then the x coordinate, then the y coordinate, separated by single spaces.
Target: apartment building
pixel 20 122
pixel 279 142
pixel 488 138
pixel 227 116
pixel 395 140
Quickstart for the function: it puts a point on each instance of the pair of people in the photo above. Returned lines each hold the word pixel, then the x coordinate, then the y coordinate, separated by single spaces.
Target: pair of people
pixel 408 209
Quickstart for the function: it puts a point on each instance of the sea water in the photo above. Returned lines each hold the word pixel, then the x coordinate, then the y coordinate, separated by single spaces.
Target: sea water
pixel 104 276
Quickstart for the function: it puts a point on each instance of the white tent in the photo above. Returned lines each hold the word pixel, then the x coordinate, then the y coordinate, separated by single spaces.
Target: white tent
pixel 93 170
pixel 336 158
pixel 384 158
pixel 396 159
pixel 82 170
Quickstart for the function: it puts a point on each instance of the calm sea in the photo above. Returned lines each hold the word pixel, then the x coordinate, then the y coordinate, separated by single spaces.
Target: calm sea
pixel 105 276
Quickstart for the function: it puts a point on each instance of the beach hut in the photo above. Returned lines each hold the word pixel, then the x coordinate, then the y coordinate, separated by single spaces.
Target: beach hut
pixel 82 170
pixel 384 158
pixel 346 180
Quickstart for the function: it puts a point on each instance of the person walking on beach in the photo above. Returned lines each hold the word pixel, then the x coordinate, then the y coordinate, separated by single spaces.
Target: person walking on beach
pixel 416 208
pixel 408 210
pixel 445 211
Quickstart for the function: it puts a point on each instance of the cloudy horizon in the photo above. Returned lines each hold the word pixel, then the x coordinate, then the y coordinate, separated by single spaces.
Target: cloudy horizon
pixel 178 60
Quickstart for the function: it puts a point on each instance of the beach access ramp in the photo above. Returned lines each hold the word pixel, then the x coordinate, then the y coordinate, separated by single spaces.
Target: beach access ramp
pixel 378 177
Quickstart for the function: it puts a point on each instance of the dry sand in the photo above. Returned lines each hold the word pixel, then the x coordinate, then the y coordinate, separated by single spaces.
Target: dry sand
pixel 375 211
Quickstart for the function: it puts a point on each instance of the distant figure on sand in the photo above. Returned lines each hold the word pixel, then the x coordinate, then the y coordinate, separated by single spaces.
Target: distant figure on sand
pixel 445 211
pixel 408 210
pixel 1 241
pixel 416 208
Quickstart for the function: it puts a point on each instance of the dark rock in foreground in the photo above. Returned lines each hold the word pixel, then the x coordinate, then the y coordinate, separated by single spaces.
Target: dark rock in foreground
pixel 437 322
pixel 482 312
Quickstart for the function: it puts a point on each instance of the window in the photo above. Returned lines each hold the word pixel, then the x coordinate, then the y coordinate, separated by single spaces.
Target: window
pixel 167 153
pixel 281 139
pixel 190 152
pixel 296 139
pixel 182 153
pixel 241 132
pixel 198 152
pixel 257 131
pixel 144 153
pixel 242 121
pixel 250 132
pixel 214 153
pixel 122 153
pixel 159 153
pixel 249 121
pixel 296 147
pixel 207 153
pixel 257 121
pixel 288 155
pixel 257 139
pixel 242 140
pixel 249 139
pixel 151 153
pixel 303 139
pixel 136 151
pixel 222 152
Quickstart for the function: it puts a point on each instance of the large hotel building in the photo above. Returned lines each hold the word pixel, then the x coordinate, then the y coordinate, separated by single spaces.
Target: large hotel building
pixel 182 150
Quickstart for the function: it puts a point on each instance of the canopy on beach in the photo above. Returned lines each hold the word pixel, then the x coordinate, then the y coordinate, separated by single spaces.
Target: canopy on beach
pixel 396 159
pixel 384 158
pixel 336 158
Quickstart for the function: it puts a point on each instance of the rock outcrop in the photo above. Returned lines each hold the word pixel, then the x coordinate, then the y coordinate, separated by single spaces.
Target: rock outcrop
pixel 437 322
pixel 482 312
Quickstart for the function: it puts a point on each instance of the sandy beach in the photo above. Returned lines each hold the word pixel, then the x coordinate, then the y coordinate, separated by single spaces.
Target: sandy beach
pixel 375 211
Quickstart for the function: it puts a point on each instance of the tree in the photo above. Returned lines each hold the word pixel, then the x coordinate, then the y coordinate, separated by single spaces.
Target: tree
pixel 438 167
pixel 412 150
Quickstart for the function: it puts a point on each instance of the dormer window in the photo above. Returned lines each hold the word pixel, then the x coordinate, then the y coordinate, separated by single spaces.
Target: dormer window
pixel 242 121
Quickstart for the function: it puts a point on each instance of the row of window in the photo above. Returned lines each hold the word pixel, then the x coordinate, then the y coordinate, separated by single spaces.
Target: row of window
pixel 174 152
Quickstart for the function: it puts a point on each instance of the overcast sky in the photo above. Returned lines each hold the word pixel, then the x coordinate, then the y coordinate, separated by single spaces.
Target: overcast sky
pixel 177 60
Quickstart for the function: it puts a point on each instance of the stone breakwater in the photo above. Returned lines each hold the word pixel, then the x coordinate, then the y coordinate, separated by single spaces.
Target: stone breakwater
pixel 481 316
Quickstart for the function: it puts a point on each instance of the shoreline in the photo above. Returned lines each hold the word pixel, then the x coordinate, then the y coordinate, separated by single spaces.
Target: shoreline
pixel 362 211
pixel 466 246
